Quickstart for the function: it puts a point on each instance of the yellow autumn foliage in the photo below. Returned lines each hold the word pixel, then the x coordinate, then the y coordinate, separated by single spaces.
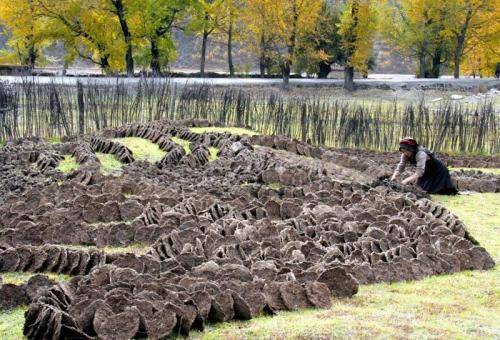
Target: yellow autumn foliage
pixel 358 26
pixel 26 29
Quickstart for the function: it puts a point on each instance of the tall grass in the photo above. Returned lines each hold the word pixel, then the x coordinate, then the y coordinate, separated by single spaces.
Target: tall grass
pixel 30 108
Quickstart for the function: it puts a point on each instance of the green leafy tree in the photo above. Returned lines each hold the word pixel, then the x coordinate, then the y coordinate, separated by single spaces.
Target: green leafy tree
pixel 321 48
pixel 152 25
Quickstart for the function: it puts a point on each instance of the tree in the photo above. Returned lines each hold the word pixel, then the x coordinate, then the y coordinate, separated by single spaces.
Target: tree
pixel 99 26
pixel 321 48
pixel 86 30
pixel 279 25
pixel 152 25
pixel 231 28
pixel 295 18
pixel 208 18
pixel 26 30
pixel 358 25
pixel 464 21
pixel 117 7
pixel 482 52
pixel 259 24
pixel 437 32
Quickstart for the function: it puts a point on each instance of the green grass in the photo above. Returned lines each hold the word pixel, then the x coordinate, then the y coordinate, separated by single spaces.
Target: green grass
pixel 233 130
pixel 136 248
pixel 213 153
pixel 463 305
pixel 68 164
pixel 53 140
pixel 275 185
pixel 142 149
pixel 494 171
pixel 11 323
pixel 18 278
pixel 109 164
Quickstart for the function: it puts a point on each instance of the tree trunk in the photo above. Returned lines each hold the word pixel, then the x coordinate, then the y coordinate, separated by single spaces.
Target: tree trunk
pixel 459 49
pixel 129 59
pixel 456 67
pixel 287 67
pixel 203 53
pixel 65 68
pixel 81 108
pixel 457 57
pixel 262 66
pixel 324 70
pixel 155 57
pixel 32 56
pixel 230 49
pixel 262 58
pixel 351 38
pixel 104 62
pixel 269 64
pixel 421 66
pixel 286 75
pixel 349 78
pixel 436 64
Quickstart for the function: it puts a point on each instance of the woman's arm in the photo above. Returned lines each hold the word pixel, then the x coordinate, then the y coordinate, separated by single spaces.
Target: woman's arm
pixel 399 169
pixel 421 158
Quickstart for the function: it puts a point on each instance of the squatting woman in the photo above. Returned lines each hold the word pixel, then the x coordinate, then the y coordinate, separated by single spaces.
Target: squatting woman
pixel 430 174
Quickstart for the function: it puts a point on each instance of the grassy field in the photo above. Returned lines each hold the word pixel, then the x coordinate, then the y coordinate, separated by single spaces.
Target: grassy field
pixel 68 164
pixel 18 278
pixel 485 170
pixel 184 143
pixel 463 305
pixel 142 149
pixel 109 164
pixel 136 248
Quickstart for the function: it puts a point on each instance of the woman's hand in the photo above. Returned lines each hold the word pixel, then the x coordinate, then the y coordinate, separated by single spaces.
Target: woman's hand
pixel 410 180
pixel 395 176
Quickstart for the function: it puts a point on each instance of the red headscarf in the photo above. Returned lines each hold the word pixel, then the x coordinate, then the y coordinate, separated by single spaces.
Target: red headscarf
pixel 408 143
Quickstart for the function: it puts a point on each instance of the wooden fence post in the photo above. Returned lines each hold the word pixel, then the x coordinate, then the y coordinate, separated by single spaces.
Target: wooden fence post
pixel 81 108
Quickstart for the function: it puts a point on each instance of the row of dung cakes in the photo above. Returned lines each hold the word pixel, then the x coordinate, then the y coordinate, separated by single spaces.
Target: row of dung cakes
pixel 251 232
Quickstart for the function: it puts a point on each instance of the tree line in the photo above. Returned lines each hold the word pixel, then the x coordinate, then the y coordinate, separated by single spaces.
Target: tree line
pixel 285 35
